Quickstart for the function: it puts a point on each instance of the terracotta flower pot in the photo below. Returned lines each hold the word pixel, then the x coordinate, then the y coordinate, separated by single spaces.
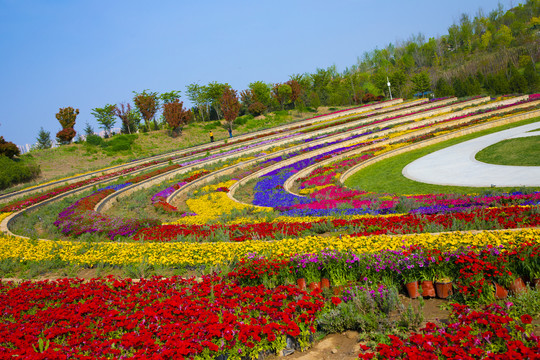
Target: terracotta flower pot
pixel 518 286
pixel 500 292
pixel 314 285
pixel 301 283
pixel 325 283
pixel 427 288
pixel 412 289
pixel 443 289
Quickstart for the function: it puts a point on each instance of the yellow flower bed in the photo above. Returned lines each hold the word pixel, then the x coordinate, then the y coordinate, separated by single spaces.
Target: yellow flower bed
pixel 210 206
pixel 169 254
pixel 4 215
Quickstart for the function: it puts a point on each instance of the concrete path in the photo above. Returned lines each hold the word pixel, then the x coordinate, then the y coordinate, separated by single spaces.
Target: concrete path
pixel 456 165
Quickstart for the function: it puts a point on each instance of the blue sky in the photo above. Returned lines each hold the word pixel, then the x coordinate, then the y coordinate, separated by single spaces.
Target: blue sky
pixel 89 53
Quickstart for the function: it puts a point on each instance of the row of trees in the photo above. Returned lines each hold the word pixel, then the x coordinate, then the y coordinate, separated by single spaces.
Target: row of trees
pixel 494 53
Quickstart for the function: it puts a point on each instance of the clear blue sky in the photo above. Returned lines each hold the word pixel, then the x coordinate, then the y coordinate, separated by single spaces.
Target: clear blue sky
pixel 89 53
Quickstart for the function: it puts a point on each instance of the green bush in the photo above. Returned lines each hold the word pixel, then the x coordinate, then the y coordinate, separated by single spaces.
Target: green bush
pixel 17 171
pixel 120 143
pixel 212 126
pixel 242 120
pixel 95 140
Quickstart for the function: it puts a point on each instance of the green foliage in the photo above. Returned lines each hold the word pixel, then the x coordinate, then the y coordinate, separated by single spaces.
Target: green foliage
pixel 95 140
pixel 88 130
pixel 105 116
pixel 212 125
pixel 43 140
pixel 67 116
pixel 443 88
pixel 314 101
pixel 369 309
pixel 120 143
pixel 421 82
pixel 169 97
pixel 242 120
pixel 531 76
pixel 17 171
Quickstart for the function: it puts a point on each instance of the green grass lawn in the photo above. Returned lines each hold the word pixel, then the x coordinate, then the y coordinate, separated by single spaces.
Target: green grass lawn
pixel 386 176
pixel 519 151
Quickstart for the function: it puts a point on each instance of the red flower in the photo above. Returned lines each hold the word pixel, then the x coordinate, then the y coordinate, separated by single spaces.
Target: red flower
pixel 336 301
pixel 526 319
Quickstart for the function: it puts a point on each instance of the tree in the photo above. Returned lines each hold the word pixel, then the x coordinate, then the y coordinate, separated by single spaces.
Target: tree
pixel 261 93
pixel 198 96
pixel 256 109
pixel 230 106
pixel 214 92
pixel 518 83
pixel 314 100
pixel 398 79
pixel 296 90
pixel 148 105
pixel 43 140
pixel 421 83
pixel 129 118
pixel 66 117
pixel 282 93
pixel 8 148
pixel 531 76
pixel 176 116
pixel 503 37
pixel 443 88
pixel 105 116
pixel 170 96
pixel 88 130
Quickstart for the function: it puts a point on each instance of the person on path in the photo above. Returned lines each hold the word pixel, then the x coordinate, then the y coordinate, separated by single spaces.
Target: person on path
pixel 230 132
pixel 211 136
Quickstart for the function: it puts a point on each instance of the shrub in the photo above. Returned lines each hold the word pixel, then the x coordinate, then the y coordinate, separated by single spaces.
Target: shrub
pixel 120 143
pixel 16 171
pixel 242 120
pixel 212 126
pixel 8 148
pixel 95 140
pixel 66 135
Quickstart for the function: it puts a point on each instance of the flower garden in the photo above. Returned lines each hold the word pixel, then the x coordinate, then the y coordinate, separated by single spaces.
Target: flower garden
pixel 275 248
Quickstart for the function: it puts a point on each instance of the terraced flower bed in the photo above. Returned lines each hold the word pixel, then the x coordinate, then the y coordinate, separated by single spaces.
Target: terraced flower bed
pixel 245 302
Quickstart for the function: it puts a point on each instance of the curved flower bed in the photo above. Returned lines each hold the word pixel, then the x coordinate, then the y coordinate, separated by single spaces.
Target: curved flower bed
pixel 217 253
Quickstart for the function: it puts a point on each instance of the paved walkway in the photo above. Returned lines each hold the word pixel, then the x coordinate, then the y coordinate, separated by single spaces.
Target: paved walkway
pixel 456 165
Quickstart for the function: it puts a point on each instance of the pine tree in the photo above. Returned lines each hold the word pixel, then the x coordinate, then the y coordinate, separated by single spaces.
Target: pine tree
pixel 43 140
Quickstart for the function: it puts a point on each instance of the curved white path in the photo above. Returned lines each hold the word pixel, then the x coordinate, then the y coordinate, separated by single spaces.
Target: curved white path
pixel 456 165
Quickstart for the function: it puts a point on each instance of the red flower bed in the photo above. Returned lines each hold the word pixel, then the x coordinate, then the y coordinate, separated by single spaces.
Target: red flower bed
pixel 155 318
pixel 487 334
pixel 507 217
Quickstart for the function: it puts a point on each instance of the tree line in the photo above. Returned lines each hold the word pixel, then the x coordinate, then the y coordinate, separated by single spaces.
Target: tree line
pixel 493 53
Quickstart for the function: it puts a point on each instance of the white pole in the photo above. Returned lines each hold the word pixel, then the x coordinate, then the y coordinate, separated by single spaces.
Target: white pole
pixel 390 91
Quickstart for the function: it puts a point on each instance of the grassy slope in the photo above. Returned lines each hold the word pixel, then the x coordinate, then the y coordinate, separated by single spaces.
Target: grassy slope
pixel 386 177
